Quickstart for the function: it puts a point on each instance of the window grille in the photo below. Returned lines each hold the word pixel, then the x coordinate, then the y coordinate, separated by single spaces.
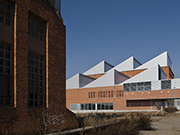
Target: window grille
pixel 36 80
pixel 166 84
pixel 147 85
pixel 5 12
pixel 140 86
pixel 126 87
pixel 5 74
pixel 36 28
pixel 133 86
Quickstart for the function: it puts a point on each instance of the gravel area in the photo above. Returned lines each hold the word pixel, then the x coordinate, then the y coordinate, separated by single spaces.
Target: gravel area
pixel 165 125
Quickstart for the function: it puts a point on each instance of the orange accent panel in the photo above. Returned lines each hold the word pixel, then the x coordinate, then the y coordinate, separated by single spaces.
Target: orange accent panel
pixel 133 72
pixel 96 76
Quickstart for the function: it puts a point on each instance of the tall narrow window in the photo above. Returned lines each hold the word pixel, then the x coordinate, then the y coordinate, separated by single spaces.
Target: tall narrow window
pixel 111 93
pixel 36 28
pixel 36 80
pixel 5 12
pixel 5 74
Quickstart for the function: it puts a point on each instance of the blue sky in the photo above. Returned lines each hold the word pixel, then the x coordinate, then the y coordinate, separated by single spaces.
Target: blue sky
pixel 114 30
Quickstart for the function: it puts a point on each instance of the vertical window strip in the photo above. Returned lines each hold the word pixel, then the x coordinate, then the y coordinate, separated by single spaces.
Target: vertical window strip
pixel 111 93
pixel 36 80
pixel 36 28
pixel 5 73
pixel 5 12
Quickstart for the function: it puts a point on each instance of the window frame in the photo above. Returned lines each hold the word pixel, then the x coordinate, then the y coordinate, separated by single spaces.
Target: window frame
pixel 34 30
pixel 36 80
pixel 5 11
pixel 6 48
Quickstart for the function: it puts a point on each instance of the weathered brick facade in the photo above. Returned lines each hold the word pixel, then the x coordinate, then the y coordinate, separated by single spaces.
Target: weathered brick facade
pixel 20 118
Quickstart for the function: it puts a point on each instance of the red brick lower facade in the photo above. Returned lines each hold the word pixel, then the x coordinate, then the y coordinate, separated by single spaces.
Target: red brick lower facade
pixel 138 100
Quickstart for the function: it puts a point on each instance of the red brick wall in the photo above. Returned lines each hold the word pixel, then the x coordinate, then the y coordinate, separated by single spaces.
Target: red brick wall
pixel 21 119
pixel 75 96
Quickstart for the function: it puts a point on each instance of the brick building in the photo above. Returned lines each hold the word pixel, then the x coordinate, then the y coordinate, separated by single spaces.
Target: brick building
pixel 128 86
pixel 32 68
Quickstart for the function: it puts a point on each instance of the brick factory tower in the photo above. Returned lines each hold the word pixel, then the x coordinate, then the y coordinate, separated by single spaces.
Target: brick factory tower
pixel 33 68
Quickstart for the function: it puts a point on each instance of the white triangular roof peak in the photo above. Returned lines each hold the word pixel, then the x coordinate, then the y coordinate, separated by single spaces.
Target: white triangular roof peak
pixel 100 68
pixel 162 59
pixel 129 64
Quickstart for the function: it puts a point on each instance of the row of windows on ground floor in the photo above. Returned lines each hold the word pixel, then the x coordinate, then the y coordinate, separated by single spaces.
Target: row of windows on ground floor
pixel 92 106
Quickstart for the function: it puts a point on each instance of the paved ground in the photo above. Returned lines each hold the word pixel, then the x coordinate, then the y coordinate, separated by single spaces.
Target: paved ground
pixel 165 125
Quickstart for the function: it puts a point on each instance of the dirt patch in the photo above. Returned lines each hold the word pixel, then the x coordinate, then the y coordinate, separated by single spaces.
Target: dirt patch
pixel 165 125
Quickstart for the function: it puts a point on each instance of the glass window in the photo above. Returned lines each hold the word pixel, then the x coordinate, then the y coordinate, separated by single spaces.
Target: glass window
pixel 166 84
pixel 89 107
pixel 86 106
pixel 58 5
pixel 133 86
pixel 147 85
pixel 6 12
pixel 5 74
pixel 4 83
pixel 82 107
pixel 111 106
pixel 98 94
pixel 140 86
pixel 104 106
pixel 120 93
pixel 107 106
pixel 36 83
pixel 36 28
pixel 111 93
pixel 126 87
pixel 93 106
pixel 99 106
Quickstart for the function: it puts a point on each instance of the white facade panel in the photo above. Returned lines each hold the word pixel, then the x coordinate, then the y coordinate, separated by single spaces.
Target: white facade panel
pixel 160 59
pixel 156 85
pixel 105 80
pixel 73 82
pixel 125 65
pixel 175 83
pixel 100 68
pixel 97 69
